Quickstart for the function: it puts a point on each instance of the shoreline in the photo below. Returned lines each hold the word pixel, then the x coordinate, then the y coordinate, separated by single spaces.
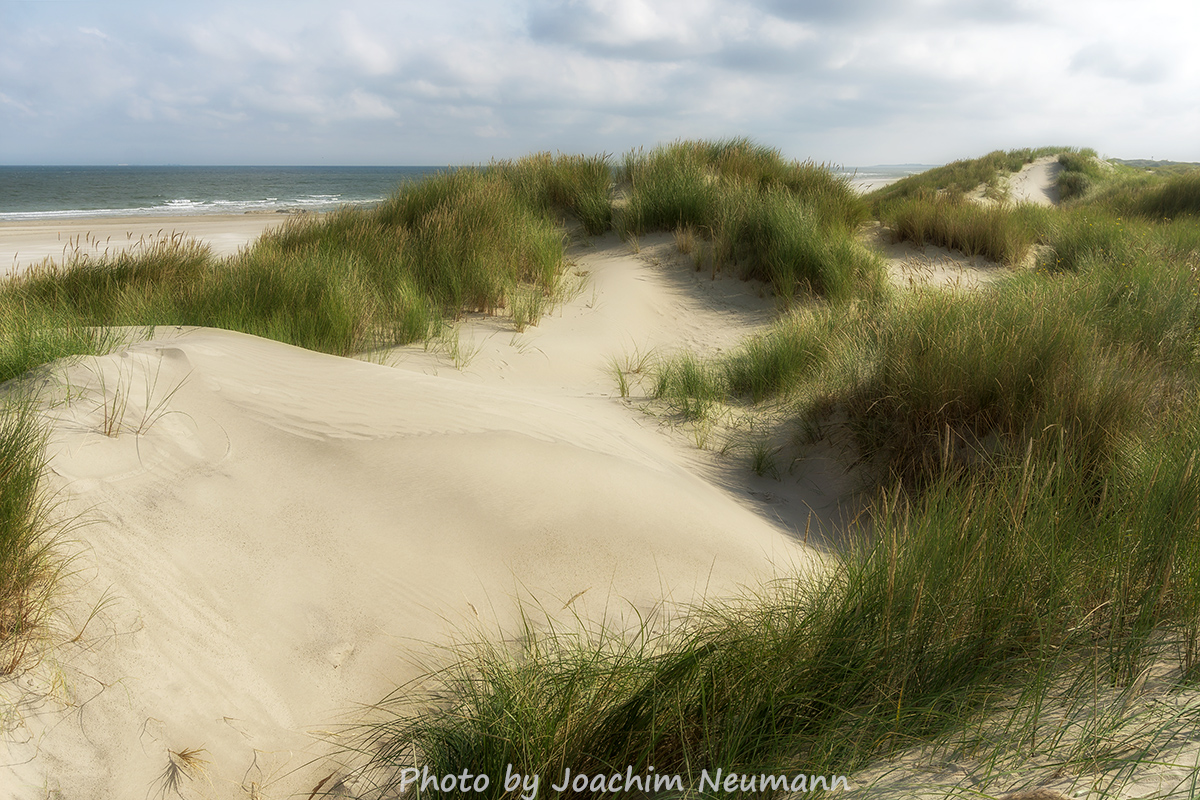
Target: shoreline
pixel 863 186
pixel 28 243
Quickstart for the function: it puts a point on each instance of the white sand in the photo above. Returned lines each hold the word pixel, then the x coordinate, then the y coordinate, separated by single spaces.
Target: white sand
pixel 276 536
pixel 24 244
pixel 1035 183
pixel 911 266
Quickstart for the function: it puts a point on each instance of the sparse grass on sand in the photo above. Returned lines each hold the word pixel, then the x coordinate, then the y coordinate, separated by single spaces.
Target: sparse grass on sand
pixel 934 207
pixel 28 566
pixel 1002 233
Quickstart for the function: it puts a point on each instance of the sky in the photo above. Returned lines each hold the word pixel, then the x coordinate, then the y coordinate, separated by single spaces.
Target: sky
pixel 393 82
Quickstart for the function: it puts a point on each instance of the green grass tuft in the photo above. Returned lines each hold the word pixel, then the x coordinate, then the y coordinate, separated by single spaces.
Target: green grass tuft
pixel 28 567
pixel 1001 233
pixel 788 223
pixel 1179 195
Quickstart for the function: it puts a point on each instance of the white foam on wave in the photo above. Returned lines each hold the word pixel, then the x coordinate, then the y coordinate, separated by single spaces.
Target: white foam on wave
pixel 186 206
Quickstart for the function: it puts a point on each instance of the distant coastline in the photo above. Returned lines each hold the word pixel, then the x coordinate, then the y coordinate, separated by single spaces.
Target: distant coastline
pixel 866 179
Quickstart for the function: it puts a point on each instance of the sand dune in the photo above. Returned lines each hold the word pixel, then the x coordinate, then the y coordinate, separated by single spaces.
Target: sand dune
pixel 911 266
pixel 274 536
pixel 271 537
pixel 1036 183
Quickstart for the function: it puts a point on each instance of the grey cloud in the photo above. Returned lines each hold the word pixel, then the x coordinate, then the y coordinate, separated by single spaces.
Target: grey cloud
pixel 562 21
pixel 873 13
pixel 582 26
pixel 841 11
pixel 803 58
pixel 1106 60
pixel 988 11
pixel 704 40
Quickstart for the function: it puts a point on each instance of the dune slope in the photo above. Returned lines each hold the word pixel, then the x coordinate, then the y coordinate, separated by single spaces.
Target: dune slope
pixel 273 536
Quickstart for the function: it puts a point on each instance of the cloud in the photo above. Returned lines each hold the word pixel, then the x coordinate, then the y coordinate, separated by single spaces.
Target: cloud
pixel 364 105
pixel 626 28
pixel 270 47
pixel 857 12
pixel 20 107
pixel 466 80
pixel 363 49
pixel 1106 60
pixel 909 14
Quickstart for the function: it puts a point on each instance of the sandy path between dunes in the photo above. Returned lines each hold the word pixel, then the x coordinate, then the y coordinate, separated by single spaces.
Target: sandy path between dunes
pixel 1036 182
pixel 25 244
pixel 273 536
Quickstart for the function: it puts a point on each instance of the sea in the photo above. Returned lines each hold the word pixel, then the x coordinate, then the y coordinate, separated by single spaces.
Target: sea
pixel 36 193
pixel 866 179
pixel 46 193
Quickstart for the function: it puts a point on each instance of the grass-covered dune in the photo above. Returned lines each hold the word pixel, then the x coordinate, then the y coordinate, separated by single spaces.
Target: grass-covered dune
pixel 935 206
pixel 1034 449
pixel 964 175
pixel 1031 450
pixel 789 224
pixel 471 239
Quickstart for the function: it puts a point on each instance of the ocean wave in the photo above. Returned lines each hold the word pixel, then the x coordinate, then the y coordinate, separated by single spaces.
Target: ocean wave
pixel 183 206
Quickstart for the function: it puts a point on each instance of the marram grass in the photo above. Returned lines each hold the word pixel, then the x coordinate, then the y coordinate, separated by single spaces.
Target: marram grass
pixel 1002 233
pixel 342 283
pixel 789 224
pixel 28 564
pixel 963 176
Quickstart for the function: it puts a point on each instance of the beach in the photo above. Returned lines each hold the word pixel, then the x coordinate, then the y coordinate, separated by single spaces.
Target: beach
pixel 24 244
